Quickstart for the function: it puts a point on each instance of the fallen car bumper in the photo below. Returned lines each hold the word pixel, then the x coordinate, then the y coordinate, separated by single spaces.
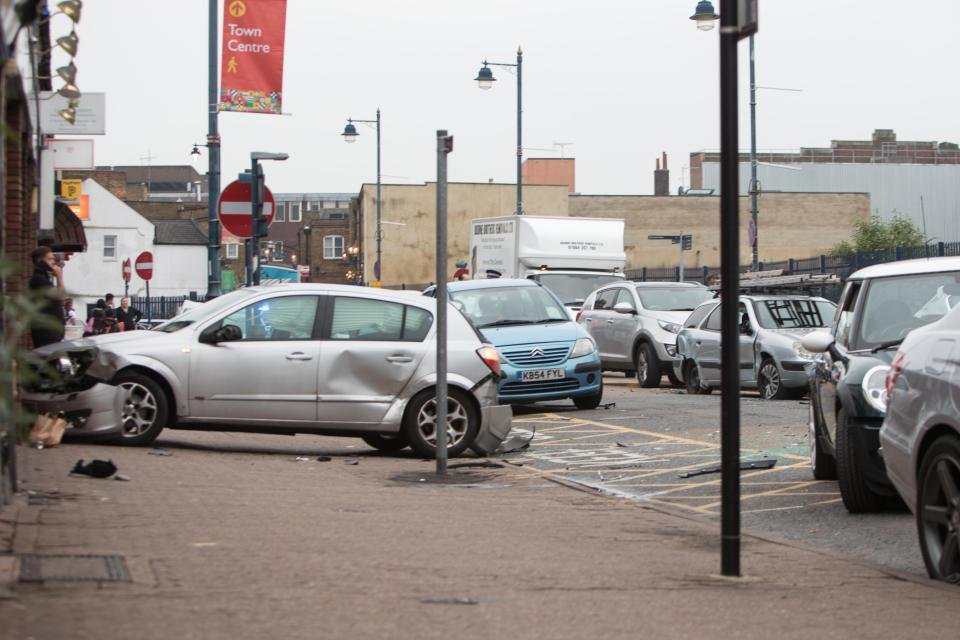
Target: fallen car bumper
pixel 95 412
pixel 495 424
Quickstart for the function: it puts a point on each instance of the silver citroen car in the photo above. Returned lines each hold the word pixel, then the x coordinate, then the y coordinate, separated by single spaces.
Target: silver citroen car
pixel 294 358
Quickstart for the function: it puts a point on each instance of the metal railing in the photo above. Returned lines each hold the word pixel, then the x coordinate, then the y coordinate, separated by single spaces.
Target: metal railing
pixel 841 266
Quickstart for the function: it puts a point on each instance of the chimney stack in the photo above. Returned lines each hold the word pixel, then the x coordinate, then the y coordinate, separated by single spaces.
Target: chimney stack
pixel 661 178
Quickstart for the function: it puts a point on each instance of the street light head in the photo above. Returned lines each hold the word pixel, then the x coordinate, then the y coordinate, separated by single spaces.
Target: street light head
pixel 485 77
pixel 350 133
pixel 195 154
pixel 71 9
pixel 704 15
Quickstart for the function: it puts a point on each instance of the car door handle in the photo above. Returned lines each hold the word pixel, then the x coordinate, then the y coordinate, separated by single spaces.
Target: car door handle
pixel 399 359
pixel 298 355
pixel 609 321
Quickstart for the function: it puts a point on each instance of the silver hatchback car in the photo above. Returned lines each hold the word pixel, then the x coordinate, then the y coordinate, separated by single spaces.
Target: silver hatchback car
pixel 294 358
pixel 771 357
pixel 635 325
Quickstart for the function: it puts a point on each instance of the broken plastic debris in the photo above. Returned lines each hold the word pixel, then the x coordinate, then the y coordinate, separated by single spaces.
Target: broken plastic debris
pixel 159 452
pixel 302 459
pixel 745 465
pixel 449 601
pixel 95 468
pixel 324 458
pixel 608 405
pixel 351 462
pixel 121 477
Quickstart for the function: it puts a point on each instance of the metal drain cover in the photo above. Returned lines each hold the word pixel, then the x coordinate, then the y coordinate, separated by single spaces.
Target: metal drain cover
pixel 73 568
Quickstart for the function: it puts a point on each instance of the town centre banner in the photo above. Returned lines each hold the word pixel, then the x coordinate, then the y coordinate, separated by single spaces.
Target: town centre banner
pixel 251 60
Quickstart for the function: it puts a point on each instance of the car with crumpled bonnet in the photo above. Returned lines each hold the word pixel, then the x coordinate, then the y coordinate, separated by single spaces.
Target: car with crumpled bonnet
pixel 290 358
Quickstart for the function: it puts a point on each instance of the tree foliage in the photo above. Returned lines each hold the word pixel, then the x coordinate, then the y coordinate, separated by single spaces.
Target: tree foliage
pixel 873 234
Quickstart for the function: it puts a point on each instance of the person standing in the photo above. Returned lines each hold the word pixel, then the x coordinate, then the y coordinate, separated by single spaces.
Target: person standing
pixel 46 284
pixel 128 316
pixel 108 300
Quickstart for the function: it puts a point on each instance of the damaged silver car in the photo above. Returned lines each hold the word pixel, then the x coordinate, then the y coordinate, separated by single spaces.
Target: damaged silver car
pixel 295 358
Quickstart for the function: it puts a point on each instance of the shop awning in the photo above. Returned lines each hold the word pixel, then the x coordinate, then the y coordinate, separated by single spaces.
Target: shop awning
pixel 68 234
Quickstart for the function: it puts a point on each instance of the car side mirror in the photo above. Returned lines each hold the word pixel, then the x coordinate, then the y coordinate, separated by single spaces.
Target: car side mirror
pixel 817 341
pixel 226 333
pixel 624 307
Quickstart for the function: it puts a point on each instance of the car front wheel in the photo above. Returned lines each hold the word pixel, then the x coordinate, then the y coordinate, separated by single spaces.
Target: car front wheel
pixel 591 401
pixel 691 377
pixel 420 423
pixel 145 409
pixel 938 509
pixel 856 493
pixel 770 382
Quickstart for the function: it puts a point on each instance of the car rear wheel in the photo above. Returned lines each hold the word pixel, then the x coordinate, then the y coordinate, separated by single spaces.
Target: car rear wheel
pixel 674 380
pixel 591 401
pixel 823 465
pixel 938 509
pixel 692 378
pixel 145 409
pixel 385 441
pixel 857 495
pixel 420 423
pixel 770 382
pixel 648 367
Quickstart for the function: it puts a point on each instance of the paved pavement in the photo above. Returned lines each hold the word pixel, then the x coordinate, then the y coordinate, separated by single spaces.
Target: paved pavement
pixel 247 536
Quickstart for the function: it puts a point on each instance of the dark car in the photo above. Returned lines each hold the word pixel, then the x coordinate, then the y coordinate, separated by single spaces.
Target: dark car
pixel 921 439
pixel 879 306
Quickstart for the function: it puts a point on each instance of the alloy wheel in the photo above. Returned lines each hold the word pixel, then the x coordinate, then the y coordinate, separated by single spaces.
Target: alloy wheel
pixel 939 516
pixel 643 367
pixel 139 409
pixel 769 380
pixel 458 422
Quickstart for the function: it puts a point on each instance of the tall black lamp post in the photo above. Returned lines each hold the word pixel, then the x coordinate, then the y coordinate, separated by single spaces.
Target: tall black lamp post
pixel 350 135
pixel 738 19
pixel 485 81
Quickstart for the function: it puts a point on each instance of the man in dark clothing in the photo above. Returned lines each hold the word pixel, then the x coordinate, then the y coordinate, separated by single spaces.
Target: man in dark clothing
pixel 128 315
pixel 46 284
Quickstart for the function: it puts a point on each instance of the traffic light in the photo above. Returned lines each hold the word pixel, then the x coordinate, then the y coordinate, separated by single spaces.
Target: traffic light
pixel 687 242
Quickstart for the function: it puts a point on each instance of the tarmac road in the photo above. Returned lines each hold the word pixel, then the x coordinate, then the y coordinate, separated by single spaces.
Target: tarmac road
pixel 637 449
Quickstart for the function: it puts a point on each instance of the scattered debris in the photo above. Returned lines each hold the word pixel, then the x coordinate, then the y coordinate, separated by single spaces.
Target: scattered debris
pixel 302 459
pixel 486 464
pixel 620 444
pixel 324 458
pixel 121 477
pixel 745 465
pixel 449 601
pixel 351 462
pixel 608 405
pixel 516 443
pixel 159 452
pixel 95 468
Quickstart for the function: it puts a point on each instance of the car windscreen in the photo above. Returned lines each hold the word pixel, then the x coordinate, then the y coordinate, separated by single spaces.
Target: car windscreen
pixel 503 306
pixel 203 311
pixel 894 306
pixel 673 298
pixel 573 288
pixel 794 314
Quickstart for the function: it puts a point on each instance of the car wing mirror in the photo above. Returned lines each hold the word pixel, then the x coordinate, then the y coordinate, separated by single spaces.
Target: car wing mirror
pixel 226 333
pixel 624 307
pixel 817 341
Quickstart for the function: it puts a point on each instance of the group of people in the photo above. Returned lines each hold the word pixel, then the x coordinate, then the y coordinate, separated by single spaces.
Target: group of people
pixel 56 311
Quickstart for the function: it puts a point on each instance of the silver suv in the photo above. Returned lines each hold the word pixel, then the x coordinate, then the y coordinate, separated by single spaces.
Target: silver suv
pixel 635 325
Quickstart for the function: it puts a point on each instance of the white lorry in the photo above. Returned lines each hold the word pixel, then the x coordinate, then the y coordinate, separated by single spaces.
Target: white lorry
pixel 570 256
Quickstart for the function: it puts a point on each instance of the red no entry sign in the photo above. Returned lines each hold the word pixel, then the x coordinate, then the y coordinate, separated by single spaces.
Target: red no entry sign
pixel 144 265
pixel 235 211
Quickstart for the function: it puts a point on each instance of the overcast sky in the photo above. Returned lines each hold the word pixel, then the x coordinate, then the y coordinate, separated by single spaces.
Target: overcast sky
pixel 621 80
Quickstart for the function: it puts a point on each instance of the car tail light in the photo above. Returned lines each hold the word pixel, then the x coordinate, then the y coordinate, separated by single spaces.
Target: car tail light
pixel 490 358
pixel 577 318
pixel 896 368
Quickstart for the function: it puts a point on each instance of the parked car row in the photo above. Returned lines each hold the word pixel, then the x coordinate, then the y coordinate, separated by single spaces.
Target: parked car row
pixel 888 375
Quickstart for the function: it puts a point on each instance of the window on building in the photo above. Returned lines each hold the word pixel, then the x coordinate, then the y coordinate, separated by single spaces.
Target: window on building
pixel 109 247
pixel 233 251
pixel 279 215
pixel 338 215
pixel 332 247
pixel 329 204
pixel 343 204
pixel 293 212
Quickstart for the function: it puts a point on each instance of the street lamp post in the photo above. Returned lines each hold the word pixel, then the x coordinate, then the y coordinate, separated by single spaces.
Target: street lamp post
pixel 485 80
pixel 705 18
pixel 350 135
pixel 213 145
pixel 306 241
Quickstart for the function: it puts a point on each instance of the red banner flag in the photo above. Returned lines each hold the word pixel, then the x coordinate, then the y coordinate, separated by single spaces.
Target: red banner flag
pixel 251 61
